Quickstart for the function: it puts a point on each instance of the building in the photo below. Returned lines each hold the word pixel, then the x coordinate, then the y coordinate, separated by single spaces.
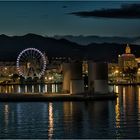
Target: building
pixel 7 68
pixel 127 60
pixel 113 72
pixel 126 69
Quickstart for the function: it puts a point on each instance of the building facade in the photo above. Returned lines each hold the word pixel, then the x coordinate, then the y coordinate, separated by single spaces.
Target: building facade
pixel 127 60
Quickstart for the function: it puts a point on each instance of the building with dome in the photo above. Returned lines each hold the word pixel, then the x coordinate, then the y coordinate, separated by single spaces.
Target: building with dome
pixel 127 60
pixel 125 71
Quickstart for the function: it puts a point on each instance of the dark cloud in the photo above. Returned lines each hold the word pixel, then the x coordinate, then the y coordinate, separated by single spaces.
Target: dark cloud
pixel 129 11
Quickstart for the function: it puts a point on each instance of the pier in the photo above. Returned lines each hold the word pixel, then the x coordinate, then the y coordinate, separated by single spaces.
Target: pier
pixel 33 97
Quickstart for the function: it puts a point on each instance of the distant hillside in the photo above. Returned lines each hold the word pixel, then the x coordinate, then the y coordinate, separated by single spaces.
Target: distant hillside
pixel 10 47
pixel 108 51
pixel 85 40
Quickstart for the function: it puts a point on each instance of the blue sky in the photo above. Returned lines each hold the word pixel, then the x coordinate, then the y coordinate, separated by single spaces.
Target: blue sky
pixel 52 18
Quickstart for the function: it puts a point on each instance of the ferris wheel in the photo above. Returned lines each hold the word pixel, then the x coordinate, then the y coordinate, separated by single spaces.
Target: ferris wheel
pixel 31 63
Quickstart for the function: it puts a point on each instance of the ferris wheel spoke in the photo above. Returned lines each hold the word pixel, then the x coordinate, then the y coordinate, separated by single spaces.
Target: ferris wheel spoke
pixel 34 54
pixel 24 55
pixel 37 55
pixel 27 54
pixel 38 58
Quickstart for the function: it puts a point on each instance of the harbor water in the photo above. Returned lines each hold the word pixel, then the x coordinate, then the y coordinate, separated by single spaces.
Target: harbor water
pixel 119 118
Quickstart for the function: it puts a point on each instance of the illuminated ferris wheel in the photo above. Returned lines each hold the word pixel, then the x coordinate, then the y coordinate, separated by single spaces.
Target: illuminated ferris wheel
pixel 31 63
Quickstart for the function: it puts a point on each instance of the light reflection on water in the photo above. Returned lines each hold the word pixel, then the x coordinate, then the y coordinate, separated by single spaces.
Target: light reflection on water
pixel 51 120
pixel 43 88
pixel 6 114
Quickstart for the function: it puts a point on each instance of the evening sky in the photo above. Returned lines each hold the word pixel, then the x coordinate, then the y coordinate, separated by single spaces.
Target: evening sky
pixel 50 18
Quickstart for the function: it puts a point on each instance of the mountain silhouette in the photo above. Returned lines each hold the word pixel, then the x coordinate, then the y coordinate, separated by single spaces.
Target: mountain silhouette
pixel 11 46
pixel 85 40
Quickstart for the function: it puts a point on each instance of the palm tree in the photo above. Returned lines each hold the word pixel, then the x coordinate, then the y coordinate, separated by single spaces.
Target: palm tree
pixel 131 73
pixel 15 77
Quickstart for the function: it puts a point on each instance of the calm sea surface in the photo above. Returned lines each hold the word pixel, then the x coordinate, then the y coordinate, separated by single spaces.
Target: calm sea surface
pixel 96 119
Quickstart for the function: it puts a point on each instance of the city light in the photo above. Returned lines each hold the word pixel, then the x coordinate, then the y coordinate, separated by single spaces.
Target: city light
pixel 116 71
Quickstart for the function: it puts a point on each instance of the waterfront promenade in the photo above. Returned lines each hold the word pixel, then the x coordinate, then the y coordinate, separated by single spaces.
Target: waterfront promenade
pixel 15 97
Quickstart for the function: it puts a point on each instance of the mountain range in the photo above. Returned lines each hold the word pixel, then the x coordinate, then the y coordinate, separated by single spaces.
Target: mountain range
pixel 11 46
pixel 85 40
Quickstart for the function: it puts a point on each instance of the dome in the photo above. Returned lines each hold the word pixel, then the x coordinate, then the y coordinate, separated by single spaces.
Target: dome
pixel 127 53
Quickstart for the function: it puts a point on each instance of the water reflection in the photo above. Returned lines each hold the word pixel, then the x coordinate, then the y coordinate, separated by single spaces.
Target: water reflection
pixel 6 115
pixel 127 111
pixel 43 88
pixel 117 111
pixel 89 119
pixel 65 120
pixel 57 120
pixel 51 121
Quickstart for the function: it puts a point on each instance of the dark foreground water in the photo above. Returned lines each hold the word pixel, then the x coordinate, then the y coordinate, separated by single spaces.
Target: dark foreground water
pixel 97 119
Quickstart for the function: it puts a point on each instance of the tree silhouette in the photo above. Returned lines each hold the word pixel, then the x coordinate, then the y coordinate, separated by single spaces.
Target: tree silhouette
pixel 131 73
